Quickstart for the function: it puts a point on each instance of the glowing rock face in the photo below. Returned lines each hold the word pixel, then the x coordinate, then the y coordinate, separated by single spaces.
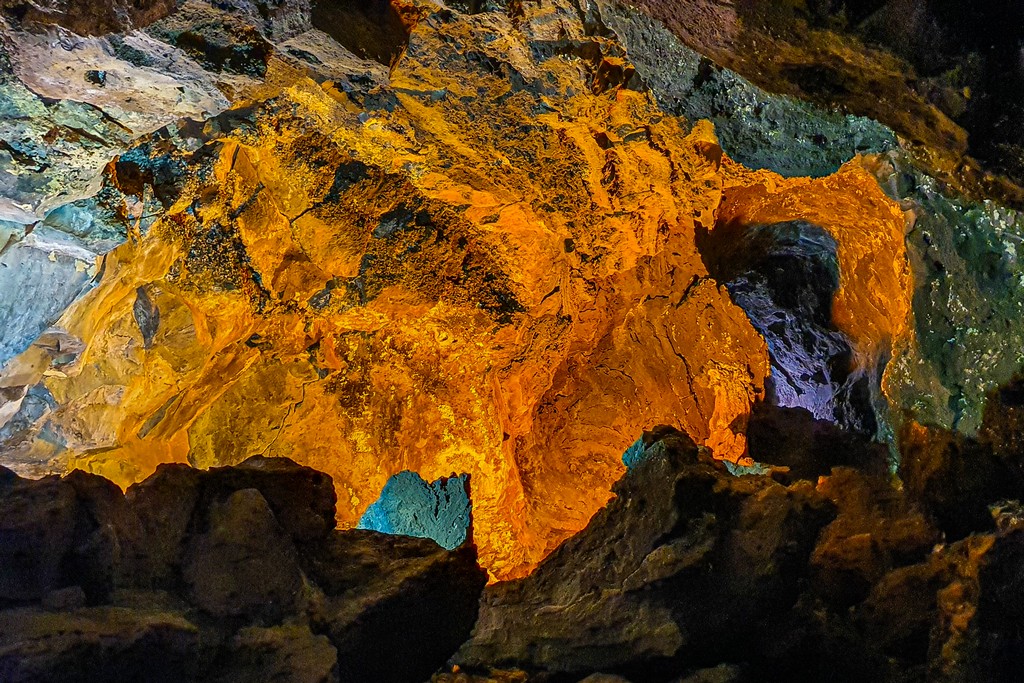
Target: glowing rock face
pixel 489 266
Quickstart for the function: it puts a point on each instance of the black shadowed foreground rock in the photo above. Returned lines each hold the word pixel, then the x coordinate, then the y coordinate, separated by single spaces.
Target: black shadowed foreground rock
pixel 692 574
pixel 231 574
pixel 679 569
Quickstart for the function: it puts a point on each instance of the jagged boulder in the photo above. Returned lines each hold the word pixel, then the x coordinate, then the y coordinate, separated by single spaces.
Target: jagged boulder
pixel 684 556
pixel 232 574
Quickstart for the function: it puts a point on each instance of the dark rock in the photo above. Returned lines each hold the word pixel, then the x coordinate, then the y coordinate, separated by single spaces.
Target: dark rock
pixel 65 599
pixel 303 500
pixel 86 17
pixel 877 529
pixel 107 533
pixel 244 564
pixel 955 478
pixel 724 673
pixel 164 504
pixel 809 448
pixel 289 654
pixel 393 594
pixel 37 530
pixel 226 548
pixel 220 40
pixel 1000 613
pixel 755 127
pixel 684 557
pixel 97 645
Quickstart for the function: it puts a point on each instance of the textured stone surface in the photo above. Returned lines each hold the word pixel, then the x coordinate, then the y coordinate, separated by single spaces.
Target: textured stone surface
pixel 967 300
pixel 409 506
pixel 243 564
pixel 197 576
pixel 467 263
pixel 97 644
pixel 389 595
pixel 282 653
pixel 756 128
pixel 821 53
pixel 684 555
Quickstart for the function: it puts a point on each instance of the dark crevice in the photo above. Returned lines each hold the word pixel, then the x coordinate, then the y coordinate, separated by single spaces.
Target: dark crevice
pixel 371 29
pixel 784 276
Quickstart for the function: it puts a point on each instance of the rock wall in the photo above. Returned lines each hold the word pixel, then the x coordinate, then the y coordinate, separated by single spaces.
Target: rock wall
pixel 483 239
pixel 474 261
pixel 231 574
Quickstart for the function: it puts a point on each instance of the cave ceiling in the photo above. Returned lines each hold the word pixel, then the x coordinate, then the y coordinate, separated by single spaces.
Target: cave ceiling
pixel 483 239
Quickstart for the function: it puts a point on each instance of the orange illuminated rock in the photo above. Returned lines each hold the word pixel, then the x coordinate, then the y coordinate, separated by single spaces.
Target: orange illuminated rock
pixel 486 266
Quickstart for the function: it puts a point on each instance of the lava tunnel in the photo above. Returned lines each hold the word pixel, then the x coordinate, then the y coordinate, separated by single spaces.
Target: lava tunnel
pixel 785 276
pixel 280 279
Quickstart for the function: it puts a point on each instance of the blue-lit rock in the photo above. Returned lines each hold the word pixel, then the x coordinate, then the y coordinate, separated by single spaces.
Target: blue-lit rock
pixel 410 506
pixel 785 277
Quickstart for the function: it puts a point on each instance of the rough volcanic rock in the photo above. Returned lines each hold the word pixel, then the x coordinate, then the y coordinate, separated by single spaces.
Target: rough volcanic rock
pixel 37 526
pixel 97 644
pixel 809 448
pixel 88 18
pixel 813 51
pixel 176 501
pixel 243 564
pixel 392 594
pixel 281 653
pixel 959 478
pixel 967 299
pixel 439 510
pixel 229 575
pixel 755 127
pixel 784 277
pixel 683 557
pixel 468 262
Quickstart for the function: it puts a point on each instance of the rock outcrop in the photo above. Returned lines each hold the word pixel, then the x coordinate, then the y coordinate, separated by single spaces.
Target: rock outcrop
pixel 693 574
pixel 234 574
pixel 685 558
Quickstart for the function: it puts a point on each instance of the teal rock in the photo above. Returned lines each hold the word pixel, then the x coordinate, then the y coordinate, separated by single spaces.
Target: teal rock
pixel 409 506
pixel 968 300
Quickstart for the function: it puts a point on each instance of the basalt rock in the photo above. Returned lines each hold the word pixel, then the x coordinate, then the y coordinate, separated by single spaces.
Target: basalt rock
pixel 946 77
pixel 684 556
pixel 468 260
pixel 229 575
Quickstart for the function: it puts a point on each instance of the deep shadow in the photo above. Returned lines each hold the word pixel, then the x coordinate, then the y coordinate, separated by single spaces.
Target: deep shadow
pixel 784 276
pixel 370 29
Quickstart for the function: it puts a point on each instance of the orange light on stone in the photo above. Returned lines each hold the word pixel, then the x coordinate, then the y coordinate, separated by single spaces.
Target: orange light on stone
pixel 433 289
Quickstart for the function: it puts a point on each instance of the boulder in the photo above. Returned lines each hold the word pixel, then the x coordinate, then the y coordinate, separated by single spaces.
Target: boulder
pixel 397 607
pixel 684 557
pixel 243 564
